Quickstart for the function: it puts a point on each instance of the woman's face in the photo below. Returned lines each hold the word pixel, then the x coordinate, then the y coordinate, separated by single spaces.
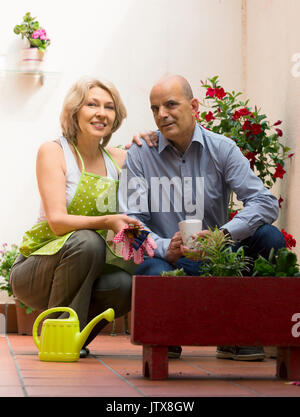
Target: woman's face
pixel 96 116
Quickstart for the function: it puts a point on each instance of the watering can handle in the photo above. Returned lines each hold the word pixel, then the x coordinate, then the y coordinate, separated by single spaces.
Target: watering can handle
pixel 45 313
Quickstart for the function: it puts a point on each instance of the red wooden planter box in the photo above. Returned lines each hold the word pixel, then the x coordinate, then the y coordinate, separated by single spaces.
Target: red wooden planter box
pixel 216 311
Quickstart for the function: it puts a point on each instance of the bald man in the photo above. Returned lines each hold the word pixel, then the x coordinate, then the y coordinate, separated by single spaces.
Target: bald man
pixel 190 174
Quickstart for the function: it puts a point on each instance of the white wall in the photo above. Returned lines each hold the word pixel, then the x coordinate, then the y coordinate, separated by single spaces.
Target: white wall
pixel 130 42
pixel 273 83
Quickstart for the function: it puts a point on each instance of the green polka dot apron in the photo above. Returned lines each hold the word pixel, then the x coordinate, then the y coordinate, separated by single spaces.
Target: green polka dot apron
pixel 94 196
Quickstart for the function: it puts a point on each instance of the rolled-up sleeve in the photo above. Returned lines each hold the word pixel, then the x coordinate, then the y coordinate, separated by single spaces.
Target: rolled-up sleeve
pixel 260 205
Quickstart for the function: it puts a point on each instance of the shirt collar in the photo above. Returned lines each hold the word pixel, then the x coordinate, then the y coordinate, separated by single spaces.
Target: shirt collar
pixel 163 142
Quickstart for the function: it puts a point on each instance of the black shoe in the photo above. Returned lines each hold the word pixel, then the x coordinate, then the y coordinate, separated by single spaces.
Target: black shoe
pixel 241 353
pixel 174 352
pixel 84 352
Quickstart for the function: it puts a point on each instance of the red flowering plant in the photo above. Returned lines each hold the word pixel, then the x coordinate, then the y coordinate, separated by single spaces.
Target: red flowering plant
pixel 254 135
pixel 258 139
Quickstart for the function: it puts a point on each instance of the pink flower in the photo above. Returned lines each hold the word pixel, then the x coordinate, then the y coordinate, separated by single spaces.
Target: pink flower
pixel 40 34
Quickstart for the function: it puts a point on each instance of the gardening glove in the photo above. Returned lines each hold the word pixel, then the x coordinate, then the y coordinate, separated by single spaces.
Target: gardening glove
pixel 135 241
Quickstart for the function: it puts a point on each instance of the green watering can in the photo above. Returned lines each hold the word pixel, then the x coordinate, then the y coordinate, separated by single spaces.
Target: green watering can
pixel 61 339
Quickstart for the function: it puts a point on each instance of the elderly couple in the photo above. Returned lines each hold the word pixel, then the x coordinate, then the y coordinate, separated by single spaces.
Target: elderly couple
pixel 64 258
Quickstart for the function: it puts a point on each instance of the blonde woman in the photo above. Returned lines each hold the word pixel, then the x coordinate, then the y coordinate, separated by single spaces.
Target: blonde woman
pixel 64 259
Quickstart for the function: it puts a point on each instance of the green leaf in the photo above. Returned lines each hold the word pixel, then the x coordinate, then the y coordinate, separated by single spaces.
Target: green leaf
pixel 36 42
pixel 17 29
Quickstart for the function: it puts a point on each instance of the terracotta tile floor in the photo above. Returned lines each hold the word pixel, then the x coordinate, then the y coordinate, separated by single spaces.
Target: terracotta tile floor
pixel 114 369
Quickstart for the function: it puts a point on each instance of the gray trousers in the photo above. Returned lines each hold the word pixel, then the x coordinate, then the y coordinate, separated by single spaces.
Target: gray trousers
pixel 75 277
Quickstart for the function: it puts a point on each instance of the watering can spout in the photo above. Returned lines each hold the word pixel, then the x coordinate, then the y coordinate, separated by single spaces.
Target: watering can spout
pixel 108 315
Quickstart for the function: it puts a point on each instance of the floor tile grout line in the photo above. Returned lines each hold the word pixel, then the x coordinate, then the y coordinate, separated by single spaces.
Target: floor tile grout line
pixel 120 376
pixel 17 367
pixel 230 382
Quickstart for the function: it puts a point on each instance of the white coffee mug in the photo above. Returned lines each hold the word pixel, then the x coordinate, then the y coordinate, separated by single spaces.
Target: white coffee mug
pixel 188 228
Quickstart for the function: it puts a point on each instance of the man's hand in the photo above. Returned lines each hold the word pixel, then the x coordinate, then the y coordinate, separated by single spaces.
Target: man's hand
pixel 149 136
pixel 174 251
pixel 198 254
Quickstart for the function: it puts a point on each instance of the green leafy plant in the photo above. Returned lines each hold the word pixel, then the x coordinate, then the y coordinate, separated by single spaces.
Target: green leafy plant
pixel 31 30
pixel 283 263
pixel 257 138
pixel 173 273
pixel 215 251
pixel 8 256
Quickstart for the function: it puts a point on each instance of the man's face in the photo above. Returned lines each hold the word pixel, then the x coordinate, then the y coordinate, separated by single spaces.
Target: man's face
pixel 174 114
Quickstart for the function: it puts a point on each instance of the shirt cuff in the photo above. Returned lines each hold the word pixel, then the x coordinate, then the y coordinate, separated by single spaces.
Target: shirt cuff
pixel 162 247
pixel 238 229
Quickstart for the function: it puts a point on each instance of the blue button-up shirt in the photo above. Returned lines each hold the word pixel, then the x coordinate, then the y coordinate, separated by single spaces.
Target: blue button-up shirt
pixel 161 187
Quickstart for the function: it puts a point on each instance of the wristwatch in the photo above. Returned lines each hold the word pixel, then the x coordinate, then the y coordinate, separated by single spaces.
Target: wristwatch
pixel 226 233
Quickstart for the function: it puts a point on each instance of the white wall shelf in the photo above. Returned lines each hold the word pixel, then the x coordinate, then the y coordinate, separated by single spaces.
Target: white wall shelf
pixel 40 75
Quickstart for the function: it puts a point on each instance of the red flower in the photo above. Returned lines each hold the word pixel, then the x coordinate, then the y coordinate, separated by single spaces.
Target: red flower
pixel 232 214
pixel 279 173
pixel 278 123
pixel 209 116
pixel 216 92
pixel 280 200
pixel 246 125
pixel 279 132
pixel 256 128
pixel 244 112
pixel 236 115
pixel 210 92
pixel 290 155
pixel 220 93
pixel 251 156
pixel 289 239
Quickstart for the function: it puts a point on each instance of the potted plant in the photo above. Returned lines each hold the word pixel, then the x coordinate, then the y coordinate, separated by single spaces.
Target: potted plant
pixel 8 309
pixel 37 42
pixel 220 307
pixel 25 315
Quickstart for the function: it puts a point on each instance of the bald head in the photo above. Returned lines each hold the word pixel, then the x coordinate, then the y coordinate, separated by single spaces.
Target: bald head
pixel 174 109
pixel 176 79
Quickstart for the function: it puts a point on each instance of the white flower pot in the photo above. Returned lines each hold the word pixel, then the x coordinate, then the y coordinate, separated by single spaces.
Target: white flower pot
pixel 31 59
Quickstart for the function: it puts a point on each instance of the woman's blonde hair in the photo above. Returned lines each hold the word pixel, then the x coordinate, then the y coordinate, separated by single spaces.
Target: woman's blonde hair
pixel 74 101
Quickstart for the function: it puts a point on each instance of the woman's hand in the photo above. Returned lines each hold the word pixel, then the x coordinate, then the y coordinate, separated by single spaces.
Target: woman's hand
pixel 117 222
pixel 149 136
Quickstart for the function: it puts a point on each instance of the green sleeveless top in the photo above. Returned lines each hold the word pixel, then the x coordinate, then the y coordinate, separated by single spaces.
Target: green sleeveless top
pixel 94 196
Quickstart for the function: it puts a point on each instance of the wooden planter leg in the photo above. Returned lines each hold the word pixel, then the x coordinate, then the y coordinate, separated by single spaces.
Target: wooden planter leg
pixel 155 362
pixel 288 363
